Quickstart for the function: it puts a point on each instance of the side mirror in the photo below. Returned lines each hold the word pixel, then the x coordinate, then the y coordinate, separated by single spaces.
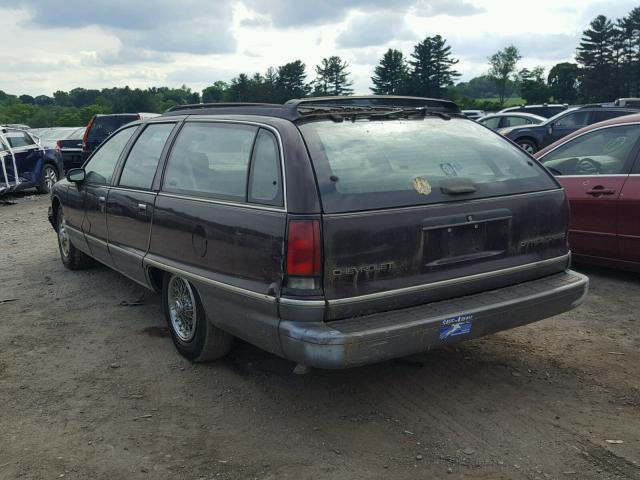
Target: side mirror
pixel 37 139
pixel 76 175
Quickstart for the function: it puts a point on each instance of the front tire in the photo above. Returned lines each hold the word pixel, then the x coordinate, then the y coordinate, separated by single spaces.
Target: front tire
pixel 71 257
pixel 193 335
pixel 48 176
pixel 527 145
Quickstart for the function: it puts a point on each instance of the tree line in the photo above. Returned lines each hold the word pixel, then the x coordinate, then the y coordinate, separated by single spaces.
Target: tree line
pixel 607 66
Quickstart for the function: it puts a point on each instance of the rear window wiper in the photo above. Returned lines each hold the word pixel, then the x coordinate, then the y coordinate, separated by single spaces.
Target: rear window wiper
pixel 457 186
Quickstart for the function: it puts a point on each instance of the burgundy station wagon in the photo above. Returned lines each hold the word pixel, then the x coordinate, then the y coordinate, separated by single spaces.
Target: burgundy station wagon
pixel 333 232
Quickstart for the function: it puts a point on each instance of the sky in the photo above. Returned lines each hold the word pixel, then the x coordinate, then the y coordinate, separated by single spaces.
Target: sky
pixel 49 45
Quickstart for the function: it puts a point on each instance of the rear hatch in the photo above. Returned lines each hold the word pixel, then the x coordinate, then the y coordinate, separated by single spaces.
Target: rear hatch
pixel 423 209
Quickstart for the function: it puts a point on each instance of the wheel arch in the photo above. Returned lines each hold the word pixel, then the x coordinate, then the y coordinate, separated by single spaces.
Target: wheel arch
pixel 55 208
pixel 156 276
pixel 528 138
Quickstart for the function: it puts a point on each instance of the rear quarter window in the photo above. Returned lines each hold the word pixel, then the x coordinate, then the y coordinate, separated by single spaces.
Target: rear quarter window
pixel 211 159
pixel 370 164
pixel 265 182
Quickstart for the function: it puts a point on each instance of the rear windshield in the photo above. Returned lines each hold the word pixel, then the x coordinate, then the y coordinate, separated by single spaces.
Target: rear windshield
pixel 104 126
pixel 372 164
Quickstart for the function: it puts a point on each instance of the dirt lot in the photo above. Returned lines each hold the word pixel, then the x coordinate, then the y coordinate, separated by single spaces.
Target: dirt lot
pixel 92 389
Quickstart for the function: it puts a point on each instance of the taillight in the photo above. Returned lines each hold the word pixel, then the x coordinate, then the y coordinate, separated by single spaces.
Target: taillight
pixel 304 263
pixel 86 133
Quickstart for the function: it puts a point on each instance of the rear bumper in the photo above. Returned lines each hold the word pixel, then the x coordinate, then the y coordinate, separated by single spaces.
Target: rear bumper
pixel 382 336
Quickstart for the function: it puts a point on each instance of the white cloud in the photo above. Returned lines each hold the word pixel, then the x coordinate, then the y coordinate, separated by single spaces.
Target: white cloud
pixel 373 29
pixel 97 44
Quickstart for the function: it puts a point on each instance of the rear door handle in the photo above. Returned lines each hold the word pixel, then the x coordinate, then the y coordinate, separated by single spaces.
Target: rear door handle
pixel 102 199
pixel 600 191
pixel 142 207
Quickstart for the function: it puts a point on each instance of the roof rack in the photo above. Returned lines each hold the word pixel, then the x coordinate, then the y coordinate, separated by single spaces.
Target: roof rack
pixel 373 101
pixel 592 105
pixel 197 106
pixel 299 108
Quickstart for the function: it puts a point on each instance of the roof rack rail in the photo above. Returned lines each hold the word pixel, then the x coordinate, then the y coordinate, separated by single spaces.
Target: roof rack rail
pixel 197 106
pixel 377 101
pixel 599 105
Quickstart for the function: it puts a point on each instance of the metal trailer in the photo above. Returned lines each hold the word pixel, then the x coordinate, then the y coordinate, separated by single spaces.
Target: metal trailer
pixel 6 184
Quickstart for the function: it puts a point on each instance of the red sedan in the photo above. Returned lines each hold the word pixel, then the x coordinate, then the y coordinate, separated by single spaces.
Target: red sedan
pixel 599 167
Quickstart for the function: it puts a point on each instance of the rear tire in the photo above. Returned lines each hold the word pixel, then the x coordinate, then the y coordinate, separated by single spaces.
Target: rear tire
pixel 528 146
pixel 48 176
pixel 193 335
pixel 71 257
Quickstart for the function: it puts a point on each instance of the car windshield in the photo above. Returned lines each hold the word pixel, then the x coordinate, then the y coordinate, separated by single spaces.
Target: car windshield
pixel 370 164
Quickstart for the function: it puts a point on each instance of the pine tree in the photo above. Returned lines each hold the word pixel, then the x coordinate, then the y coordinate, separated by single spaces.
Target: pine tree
pixel 629 28
pixel 291 81
pixel 391 76
pixel 332 77
pixel 596 54
pixel 238 90
pixel 432 67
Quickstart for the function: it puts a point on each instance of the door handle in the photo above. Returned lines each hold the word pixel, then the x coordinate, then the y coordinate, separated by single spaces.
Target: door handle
pixel 599 190
pixel 142 207
pixel 102 199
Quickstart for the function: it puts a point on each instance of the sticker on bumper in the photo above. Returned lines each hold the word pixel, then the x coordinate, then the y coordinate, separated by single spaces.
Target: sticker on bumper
pixel 455 326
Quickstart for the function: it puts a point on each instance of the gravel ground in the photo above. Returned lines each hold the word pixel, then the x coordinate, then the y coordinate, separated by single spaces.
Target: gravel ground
pixel 92 389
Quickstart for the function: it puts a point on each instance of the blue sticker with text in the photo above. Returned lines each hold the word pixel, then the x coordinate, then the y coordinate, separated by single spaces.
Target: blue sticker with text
pixel 455 326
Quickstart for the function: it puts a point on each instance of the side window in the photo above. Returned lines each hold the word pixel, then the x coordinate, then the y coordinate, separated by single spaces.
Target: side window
pixel 492 123
pixel 18 139
pixel 265 183
pixel 100 167
pixel 601 152
pixel 210 159
pixel 515 121
pixel 141 164
pixel 573 120
pixel 608 114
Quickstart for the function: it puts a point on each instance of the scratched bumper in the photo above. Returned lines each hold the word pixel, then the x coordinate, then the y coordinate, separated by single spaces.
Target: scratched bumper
pixel 382 336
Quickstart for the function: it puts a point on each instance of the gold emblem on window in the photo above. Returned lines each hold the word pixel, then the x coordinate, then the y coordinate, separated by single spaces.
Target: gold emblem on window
pixel 421 186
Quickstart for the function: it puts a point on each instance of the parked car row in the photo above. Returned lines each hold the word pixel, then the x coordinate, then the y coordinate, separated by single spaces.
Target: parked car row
pixel 532 138
pixel 38 157
pixel 67 140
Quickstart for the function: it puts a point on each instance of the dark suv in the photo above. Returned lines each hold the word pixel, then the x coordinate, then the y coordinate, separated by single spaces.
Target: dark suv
pixel 101 126
pixel 532 138
pixel 332 232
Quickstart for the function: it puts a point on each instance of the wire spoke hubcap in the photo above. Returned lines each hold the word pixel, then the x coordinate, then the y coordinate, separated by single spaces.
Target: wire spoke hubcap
pixel 182 308
pixel 63 236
